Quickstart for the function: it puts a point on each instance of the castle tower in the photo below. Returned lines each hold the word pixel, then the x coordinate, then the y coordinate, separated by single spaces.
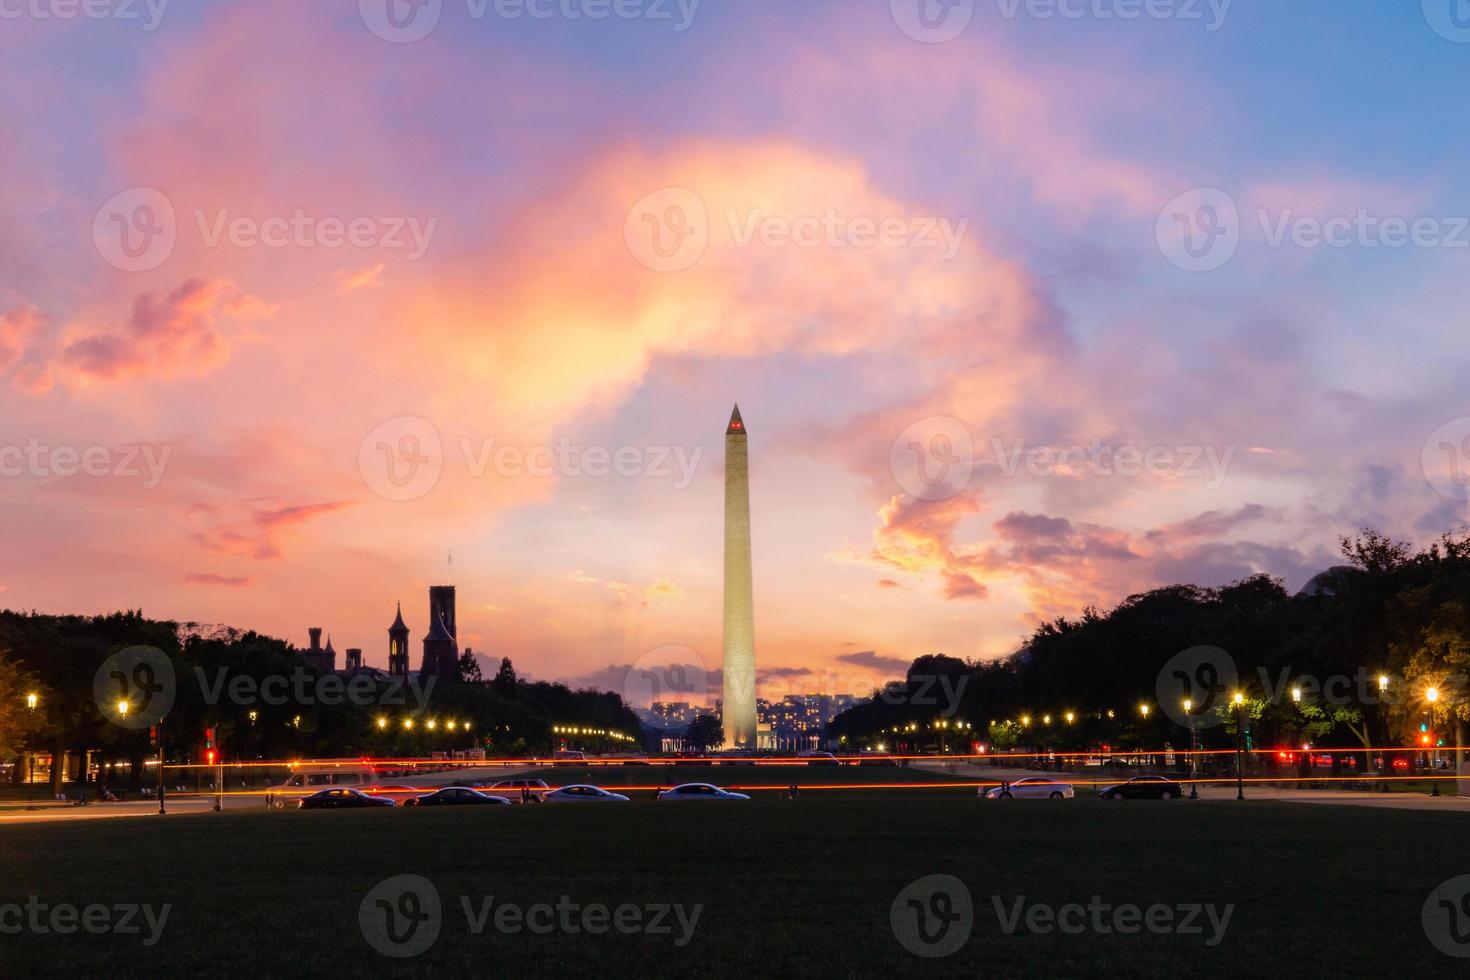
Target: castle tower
pixel 441 643
pixel 739 658
pixel 398 646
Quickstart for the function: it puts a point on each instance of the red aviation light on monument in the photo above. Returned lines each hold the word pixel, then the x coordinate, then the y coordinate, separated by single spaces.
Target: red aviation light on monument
pixel 737 424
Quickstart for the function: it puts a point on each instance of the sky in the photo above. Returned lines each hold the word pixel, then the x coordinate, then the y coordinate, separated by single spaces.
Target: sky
pixel 1028 305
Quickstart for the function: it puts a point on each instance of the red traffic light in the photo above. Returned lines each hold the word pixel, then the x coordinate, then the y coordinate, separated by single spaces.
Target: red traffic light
pixel 209 756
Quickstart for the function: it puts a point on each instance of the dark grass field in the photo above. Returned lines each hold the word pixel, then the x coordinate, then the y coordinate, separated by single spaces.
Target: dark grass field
pixel 798 888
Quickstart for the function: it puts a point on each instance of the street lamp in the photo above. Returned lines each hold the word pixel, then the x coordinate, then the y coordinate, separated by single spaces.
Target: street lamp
pixel 1431 696
pixel 32 700
pixel 1143 710
pixel 1193 750
pixel 123 708
pixel 1239 700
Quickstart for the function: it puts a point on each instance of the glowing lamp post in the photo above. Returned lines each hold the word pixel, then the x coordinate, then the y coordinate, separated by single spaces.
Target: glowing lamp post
pixel 1193 749
pixel 1239 700
pixel 1431 697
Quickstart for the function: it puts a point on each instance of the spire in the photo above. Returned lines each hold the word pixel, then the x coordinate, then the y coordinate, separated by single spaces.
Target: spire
pixel 737 424
pixel 398 621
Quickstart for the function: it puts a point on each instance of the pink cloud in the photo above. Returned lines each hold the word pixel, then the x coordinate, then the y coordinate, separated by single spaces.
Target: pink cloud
pixel 167 336
pixel 206 578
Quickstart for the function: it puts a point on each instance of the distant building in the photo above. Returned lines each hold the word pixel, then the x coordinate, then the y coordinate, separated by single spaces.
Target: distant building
pixel 398 646
pixel 798 722
pixel 322 658
pixel 441 643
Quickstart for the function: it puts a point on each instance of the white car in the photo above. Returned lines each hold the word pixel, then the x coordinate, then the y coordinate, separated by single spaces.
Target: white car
pixel 1030 788
pixel 700 791
pixel 582 793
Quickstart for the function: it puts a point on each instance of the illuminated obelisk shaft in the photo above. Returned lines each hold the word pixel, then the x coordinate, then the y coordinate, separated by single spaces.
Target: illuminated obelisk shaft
pixel 739 662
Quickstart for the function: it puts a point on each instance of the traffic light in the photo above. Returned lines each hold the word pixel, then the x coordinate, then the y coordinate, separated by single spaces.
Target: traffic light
pixel 209 756
pixel 209 737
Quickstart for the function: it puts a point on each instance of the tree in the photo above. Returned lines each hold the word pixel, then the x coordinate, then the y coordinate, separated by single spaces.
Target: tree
pixel 705 733
pixel 505 680
pixel 17 718
pixel 469 667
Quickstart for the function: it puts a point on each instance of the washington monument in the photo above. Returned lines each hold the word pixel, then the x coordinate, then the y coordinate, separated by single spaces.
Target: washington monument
pixel 739 662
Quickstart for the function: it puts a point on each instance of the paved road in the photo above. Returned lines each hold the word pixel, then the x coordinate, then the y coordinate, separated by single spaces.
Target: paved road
pixel 1215 792
pixel 204 804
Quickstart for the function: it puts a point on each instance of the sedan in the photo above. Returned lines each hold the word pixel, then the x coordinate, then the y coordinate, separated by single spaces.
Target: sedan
pixel 339 799
pixel 583 794
pixel 456 796
pixel 1143 788
pixel 700 791
pixel 1030 788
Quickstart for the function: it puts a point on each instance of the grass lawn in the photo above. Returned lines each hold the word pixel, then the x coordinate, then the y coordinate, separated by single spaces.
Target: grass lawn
pixel 798 888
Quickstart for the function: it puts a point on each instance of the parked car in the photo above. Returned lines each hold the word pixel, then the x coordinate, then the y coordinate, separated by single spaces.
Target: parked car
pixel 515 790
pixel 341 799
pixel 456 796
pixel 700 791
pixel 1143 788
pixel 582 793
pixel 1029 788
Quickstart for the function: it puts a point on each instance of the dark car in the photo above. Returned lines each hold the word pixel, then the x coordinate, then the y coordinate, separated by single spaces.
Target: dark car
pixel 1143 788
pixel 340 799
pixel 456 796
